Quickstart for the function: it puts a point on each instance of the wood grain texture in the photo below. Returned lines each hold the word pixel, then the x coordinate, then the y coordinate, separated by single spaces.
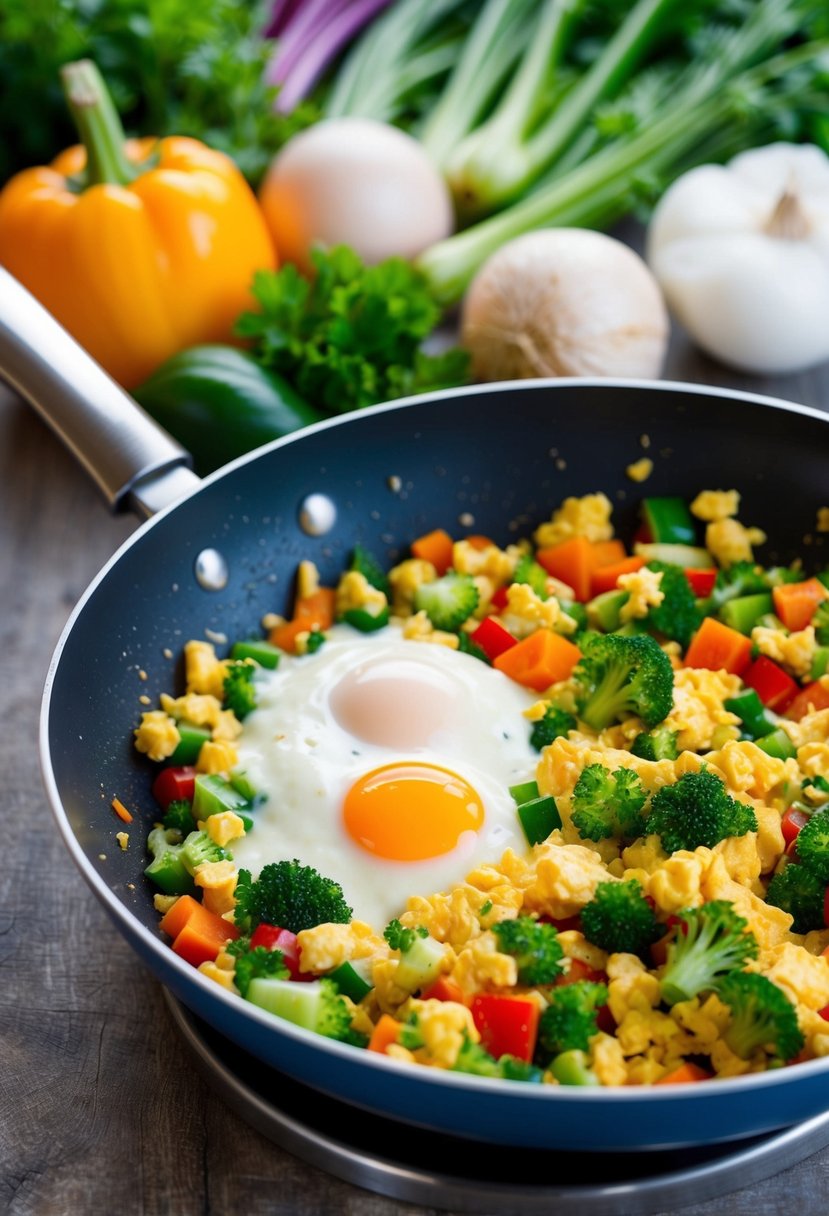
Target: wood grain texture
pixel 99 1111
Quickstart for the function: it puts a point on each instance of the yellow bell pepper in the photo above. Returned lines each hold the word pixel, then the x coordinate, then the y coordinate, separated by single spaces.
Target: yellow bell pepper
pixel 140 248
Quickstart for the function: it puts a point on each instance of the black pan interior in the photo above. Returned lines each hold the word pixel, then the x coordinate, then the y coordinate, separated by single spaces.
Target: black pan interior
pixel 492 461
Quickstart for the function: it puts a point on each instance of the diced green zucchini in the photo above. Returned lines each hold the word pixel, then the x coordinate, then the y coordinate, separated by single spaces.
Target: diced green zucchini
pixel 605 610
pixel 297 1003
pixel 572 1068
pixel 191 738
pixel 689 557
pixel 365 621
pixel 262 652
pixel 420 965
pixel 743 612
pixel 170 875
pixel 820 663
pixel 213 794
pixel 778 744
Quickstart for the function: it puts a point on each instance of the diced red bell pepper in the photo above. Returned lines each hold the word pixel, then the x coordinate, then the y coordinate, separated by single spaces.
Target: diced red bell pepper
pixel 775 688
pixel 792 822
pixel 443 989
pixel 605 1020
pixel 508 1025
pixel 274 938
pixel 562 923
pixel 500 598
pixel 824 1013
pixel 702 581
pixel 579 970
pixel 809 700
pixel 492 637
pixel 174 784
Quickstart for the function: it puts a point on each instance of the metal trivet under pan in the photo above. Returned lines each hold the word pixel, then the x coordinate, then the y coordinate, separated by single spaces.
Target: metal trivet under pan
pixel 368 1151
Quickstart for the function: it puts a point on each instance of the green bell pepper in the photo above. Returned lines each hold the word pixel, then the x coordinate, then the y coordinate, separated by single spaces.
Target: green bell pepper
pixel 219 403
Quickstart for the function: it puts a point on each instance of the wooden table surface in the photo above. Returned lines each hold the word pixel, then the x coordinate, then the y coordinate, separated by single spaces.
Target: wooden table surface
pixel 100 1112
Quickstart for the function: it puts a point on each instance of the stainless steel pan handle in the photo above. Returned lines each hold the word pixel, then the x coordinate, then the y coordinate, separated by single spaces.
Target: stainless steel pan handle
pixel 135 464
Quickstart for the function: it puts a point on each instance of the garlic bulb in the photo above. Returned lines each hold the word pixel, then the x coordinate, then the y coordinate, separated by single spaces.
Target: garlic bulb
pixel 564 302
pixel 742 254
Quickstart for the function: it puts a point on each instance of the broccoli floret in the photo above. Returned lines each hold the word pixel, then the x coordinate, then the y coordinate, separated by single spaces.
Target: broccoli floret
pixel 569 1021
pixel 741 578
pixel 821 623
pixel 365 563
pixel 290 895
pixel 608 804
pixel 619 919
pixel 620 677
pixel 472 1058
pixel 527 570
pixel 447 601
pixel 555 722
pixel 467 646
pixel 239 692
pixel 813 844
pixel 711 941
pixel 801 893
pixel 535 947
pixel 179 817
pixel 677 617
pixel 402 939
pixel 761 1017
pixel 334 1020
pixel 658 744
pixel 698 810
pixel 250 963
pixel 198 848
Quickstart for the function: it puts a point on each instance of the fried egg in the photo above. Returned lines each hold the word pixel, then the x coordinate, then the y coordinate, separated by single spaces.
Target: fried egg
pixel 386 765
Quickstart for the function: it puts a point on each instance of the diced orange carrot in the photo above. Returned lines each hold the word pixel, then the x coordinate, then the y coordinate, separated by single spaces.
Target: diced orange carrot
pixel 572 562
pixel 795 603
pixel 203 936
pixel 121 811
pixel 311 612
pixel 174 921
pixel 684 1074
pixel 386 1032
pixel 434 547
pixel 479 542
pixel 604 578
pixel 608 552
pixel 719 648
pixel 539 660
pixel 814 696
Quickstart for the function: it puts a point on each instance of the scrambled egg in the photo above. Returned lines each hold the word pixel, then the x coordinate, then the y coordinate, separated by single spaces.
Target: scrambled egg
pixel 404 581
pixel 526 612
pixel 419 628
pixel 729 542
pixel 712 505
pixel 794 651
pixel 643 588
pixel 355 591
pixel 588 516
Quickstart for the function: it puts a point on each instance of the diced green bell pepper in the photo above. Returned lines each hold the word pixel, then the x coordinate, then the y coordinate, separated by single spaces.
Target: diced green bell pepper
pixel 820 663
pixel 571 1068
pixel 539 817
pixel 525 792
pixel 743 612
pixel 353 979
pixel 366 622
pixel 669 521
pixel 213 794
pixel 778 744
pixel 605 610
pixel 262 652
pixel 750 710
pixel 191 738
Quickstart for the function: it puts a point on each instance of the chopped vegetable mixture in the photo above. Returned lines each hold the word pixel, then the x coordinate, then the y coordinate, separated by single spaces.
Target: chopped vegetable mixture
pixel 668 920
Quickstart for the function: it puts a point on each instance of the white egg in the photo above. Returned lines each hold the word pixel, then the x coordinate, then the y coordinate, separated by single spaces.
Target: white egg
pixel 366 702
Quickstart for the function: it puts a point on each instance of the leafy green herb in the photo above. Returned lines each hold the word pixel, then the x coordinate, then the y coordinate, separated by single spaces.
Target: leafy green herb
pixel 351 337
pixel 173 67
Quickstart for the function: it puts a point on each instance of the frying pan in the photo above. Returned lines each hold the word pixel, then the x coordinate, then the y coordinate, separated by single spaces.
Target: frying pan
pixel 222 552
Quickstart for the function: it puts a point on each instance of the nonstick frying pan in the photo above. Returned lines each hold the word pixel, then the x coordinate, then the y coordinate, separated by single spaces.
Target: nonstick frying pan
pixel 491 460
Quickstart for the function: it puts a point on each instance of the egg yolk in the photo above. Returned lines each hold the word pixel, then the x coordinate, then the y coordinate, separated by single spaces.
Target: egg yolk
pixel 411 811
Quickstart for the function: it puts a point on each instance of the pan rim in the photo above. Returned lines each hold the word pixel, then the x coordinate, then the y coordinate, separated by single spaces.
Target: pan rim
pixel 131 926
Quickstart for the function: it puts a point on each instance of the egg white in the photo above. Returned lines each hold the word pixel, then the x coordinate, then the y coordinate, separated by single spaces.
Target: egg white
pixel 299 749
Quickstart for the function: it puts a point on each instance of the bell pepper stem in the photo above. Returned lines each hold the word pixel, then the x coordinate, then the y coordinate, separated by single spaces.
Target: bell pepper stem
pixel 97 123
